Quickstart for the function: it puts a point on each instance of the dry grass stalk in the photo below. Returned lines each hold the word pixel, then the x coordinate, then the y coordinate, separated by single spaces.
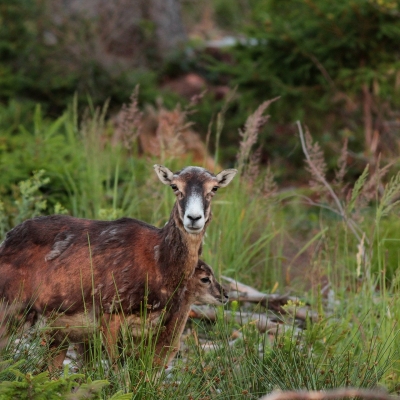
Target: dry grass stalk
pixel 169 132
pixel 342 163
pixel 373 187
pixel 194 101
pixel 316 168
pixel 316 164
pixel 269 187
pixel 317 171
pixel 168 135
pixel 129 121
pixel 331 395
pixel 253 167
pixel 249 134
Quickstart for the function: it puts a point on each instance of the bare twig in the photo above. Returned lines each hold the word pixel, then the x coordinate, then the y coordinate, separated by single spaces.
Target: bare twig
pixel 331 395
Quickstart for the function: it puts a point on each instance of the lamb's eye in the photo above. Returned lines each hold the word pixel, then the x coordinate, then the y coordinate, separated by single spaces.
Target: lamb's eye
pixel 205 280
pixel 174 187
pixel 215 188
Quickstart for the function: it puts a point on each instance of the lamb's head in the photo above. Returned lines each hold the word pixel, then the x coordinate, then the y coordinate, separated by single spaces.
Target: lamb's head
pixel 194 188
pixel 204 288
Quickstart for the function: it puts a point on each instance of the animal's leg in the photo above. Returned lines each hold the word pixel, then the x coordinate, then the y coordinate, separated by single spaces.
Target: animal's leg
pixel 58 347
pixel 4 317
pixel 57 360
pixel 82 354
pixel 110 326
pixel 165 352
pixel 169 340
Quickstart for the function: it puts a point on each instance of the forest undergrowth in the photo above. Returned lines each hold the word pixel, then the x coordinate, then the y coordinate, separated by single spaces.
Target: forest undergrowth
pixel 332 244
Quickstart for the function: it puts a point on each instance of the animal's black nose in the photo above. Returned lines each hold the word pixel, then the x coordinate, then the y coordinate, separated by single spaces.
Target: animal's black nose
pixel 194 218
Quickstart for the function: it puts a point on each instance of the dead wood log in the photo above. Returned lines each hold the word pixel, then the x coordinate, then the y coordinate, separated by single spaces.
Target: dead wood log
pixel 331 395
pixel 260 321
pixel 275 302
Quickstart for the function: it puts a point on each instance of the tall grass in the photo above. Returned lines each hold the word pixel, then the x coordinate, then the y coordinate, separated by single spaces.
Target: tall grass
pixel 275 240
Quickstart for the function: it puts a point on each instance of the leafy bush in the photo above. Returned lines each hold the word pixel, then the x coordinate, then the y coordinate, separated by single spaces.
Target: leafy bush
pixel 26 386
pixel 335 66
pixel 328 244
pixel 34 69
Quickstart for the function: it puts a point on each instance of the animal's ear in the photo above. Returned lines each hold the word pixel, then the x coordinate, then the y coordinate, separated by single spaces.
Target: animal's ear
pixel 201 265
pixel 225 177
pixel 164 174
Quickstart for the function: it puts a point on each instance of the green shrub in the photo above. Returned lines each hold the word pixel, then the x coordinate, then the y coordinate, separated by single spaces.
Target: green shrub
pixel 335 66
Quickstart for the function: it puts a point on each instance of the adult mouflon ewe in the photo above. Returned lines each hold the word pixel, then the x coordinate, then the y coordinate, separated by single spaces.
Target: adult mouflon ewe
pixel 64 263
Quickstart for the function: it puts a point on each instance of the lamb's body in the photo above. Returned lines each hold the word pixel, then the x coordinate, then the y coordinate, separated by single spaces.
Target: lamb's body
pixel 211 292
pixel 166 325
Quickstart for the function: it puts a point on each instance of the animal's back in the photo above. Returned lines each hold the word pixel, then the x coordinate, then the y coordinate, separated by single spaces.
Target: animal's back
pixel 60 260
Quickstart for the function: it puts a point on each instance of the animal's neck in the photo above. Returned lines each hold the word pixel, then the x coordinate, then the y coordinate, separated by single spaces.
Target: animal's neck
pixel 179 250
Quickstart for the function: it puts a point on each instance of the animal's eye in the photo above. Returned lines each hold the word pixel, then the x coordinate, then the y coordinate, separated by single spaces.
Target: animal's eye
pixel 215 188
pixel 205 280
pixel 174 187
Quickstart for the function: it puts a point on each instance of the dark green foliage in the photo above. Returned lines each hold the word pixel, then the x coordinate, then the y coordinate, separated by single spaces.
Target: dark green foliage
pixel 37 64
pixel 265 235
pixel 309 49
pixel 326 356
pixel 26 386
pixel 20 53
pixel 321 58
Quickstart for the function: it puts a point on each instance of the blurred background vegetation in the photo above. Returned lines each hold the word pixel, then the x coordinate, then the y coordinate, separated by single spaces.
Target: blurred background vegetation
pixel 93 93
pixel 335 66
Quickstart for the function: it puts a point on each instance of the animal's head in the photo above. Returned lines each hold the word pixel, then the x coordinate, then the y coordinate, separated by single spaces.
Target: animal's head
pixel 204 288
pixel 194 188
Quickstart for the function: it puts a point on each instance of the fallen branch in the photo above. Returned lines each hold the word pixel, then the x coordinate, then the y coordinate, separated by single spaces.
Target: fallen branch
pixel 331 395
pixel 260 321
pixel 273 302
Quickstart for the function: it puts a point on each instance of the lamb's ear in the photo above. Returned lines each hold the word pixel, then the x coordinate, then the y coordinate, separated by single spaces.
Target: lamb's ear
pixel 164 174
pixel 225 177
pixel 202 265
